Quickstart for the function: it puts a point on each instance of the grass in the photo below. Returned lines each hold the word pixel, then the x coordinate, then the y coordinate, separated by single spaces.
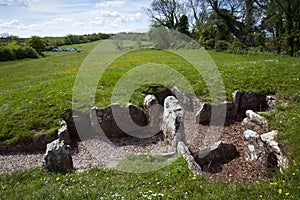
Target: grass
pixel 36 93
pixel 173 182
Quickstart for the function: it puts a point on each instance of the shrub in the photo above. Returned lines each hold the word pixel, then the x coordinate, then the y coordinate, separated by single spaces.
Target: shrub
pixel 209 44
pixel 236 47
pixel 222 45
pixel 30 52
pixel 20 53
pixel 6 54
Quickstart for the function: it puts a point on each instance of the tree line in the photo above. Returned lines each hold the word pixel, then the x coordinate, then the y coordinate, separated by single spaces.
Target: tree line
pixel 12 47
pixel 233 25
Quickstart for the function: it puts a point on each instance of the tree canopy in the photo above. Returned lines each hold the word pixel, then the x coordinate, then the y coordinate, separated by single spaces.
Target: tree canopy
pixel 266 25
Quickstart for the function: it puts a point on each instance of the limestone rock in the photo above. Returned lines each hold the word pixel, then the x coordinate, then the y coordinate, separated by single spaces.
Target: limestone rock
pixel 255 122
pixel 119 121
pixel 204 114
pixel 154 113
pixel 63 133
pixel 271 101
pixel 58 157
pixel 262 151
pixel 249 101
pixel 269 139
pixel 256 152
pixel 183 151
pixel 172 125
pixel 211 159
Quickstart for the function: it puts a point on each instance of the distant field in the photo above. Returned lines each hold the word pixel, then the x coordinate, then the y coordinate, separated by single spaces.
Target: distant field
pixel 36 93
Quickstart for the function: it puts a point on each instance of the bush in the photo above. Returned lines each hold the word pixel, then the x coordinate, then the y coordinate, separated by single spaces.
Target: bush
pixel 236 47
pixel 20 53
pixel 6 54
pixel 222 45
pixel 209 44
pixel 30 52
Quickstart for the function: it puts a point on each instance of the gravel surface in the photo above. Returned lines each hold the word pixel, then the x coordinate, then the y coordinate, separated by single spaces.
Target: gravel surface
pixel 95 153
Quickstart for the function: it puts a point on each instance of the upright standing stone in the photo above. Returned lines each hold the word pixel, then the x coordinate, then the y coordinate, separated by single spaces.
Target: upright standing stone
pixel 154 113
pixel 58 157
pixel 172 125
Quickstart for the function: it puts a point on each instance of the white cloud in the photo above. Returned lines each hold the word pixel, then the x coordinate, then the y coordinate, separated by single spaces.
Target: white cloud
pixel 106 13
pixel 61 17
pixel 14 23
pixel 110 3
pixel 24 3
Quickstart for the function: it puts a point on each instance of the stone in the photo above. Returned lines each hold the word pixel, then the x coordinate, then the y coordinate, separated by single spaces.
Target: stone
pixel 211 159
pixel 255 122
pixel 269 140
pixel 63 133
pixel 258 152
pixel 57 157
pixel 249 101
pixel 172 125
pixel 183 151
pixel 204 114
pixel 271 101
pixel 118 121
pixel 154 113
pixel 255 150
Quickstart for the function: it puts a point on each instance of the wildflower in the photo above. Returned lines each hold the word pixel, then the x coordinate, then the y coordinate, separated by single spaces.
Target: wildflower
pixel 57 179
pixel 194 178
pixel 294 174
pixel 294 161
pixel 275 183
pixel 287 166
pixel 287 194
pixel 283 181
pixel 261 196
pixel 279 190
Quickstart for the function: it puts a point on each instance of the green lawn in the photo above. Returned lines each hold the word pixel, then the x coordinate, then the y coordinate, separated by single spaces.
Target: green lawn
pixel 35 93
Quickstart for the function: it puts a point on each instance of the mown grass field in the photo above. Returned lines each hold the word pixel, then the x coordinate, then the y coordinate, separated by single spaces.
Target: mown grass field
pixel 36 93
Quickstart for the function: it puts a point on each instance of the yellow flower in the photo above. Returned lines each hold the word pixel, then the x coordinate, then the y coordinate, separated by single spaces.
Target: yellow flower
pixel 261 196
pixel 57 179
pixel 294 174
pixel 275 183
pixel 280 191
pixel 294 161
pixel 194 178
pixel 287 194
pixel 283 181
pixel 286 166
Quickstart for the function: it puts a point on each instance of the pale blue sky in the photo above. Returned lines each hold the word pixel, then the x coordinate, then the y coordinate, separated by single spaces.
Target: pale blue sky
pixel 25 18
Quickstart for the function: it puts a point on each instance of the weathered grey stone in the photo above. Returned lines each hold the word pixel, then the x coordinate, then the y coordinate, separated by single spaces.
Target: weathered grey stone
pixel 183 151
pixel 269 140
pixel 271 101
pixel 172 125
pixel 63 133
pixel 154 113
pixel 255 122
pixel 57 157
pixel 204 114
pixel 118 121
pixel 250 101
pixel 258 152
pixel 211 159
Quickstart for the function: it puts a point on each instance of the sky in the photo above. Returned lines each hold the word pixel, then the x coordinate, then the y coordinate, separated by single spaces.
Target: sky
pixel 25 18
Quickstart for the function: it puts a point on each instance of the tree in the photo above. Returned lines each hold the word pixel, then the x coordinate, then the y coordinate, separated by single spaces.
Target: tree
pixel 37 43
pixel 165 13
pixel 183 25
